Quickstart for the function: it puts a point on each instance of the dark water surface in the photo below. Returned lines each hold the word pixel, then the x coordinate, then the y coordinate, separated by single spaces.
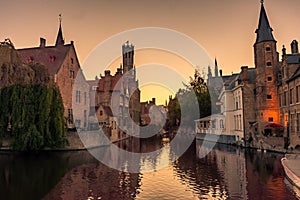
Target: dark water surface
pixel 225 173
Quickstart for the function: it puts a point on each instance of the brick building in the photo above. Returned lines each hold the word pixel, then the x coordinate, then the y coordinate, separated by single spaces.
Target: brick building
pixel 261 104
pixel 64 68
pixel 120 92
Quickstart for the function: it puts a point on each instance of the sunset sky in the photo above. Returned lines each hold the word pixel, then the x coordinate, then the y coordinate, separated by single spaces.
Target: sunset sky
pixel 225 29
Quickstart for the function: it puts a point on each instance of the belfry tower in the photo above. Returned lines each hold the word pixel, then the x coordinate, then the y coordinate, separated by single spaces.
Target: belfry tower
pixel 128 56
pixel 267 68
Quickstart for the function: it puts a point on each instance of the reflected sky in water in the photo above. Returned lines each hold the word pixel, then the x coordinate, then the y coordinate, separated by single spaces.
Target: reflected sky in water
pixel 225 173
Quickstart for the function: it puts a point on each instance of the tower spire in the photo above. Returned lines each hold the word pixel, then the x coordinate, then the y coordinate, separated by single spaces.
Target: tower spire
pixel 59 38
pixel 216 68
pixel 264 30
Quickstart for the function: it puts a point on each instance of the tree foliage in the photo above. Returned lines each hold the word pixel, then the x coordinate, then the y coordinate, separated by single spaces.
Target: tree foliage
pixel 205 98
pixel 34 116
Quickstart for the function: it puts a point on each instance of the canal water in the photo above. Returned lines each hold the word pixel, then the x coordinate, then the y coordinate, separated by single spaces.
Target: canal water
pixel 225 173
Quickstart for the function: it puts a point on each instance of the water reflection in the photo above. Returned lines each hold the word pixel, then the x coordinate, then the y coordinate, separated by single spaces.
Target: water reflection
pixel 225 173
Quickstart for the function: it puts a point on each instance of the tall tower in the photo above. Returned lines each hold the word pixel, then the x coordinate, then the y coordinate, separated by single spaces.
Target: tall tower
pixel 128 55
pixel 267 68
pixel 59 38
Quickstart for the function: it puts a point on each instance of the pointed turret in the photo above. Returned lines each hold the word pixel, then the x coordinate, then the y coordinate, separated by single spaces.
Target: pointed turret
pixel 216 68
pixel 59 38
pixel 264 30
pixel 209 72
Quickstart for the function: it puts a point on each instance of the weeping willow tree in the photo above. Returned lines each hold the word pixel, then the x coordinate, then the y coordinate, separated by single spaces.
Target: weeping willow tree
pixel 34 115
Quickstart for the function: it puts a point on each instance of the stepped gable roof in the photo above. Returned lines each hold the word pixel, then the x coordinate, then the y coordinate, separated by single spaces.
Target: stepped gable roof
pixel 52 56
pixel 113 79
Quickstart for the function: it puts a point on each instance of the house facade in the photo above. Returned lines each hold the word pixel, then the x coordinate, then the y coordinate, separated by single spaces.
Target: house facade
pixel 121 94
pixel 261 105
pixel 64 68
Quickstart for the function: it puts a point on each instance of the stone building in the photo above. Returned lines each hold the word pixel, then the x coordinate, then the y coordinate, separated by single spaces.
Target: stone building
pixel 267 69
pixel 64 68
pixel 289 94
pixel 232 124
pixel 250 100
pixel 145 107
pixel 120 92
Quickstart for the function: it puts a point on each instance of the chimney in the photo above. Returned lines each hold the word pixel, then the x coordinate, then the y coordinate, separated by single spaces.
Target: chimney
pixel 42 42
pixel 221 73
pixel 153 101
pixel 107 72
pixel 294 47
pixel 244 73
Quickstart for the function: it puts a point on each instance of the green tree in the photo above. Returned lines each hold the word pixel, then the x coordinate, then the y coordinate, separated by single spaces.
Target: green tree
pixel 185 98
pixel 36 116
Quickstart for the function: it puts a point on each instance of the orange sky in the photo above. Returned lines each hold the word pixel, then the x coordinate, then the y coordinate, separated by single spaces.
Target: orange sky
pixel 226 29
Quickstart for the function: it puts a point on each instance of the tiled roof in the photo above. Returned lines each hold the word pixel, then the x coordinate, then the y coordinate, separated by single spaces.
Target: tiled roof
pixel 52 56
pixel 295 75
pixel 92 82
pixel 293 58
pixel 108 111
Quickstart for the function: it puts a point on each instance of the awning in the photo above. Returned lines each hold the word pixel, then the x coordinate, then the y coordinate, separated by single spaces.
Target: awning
pixel 273 125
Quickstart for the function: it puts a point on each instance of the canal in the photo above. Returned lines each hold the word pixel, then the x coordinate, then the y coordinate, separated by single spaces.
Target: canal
pixel 225 173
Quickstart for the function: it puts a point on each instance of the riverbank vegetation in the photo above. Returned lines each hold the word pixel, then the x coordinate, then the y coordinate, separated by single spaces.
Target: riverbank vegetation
pixel 194 94
pixel 32 116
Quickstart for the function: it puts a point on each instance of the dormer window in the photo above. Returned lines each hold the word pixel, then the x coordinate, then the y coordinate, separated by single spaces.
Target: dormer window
pixel 52 58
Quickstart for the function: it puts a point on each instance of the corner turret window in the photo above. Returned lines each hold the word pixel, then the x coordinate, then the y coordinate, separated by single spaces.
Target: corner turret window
pixel 269 64
pixel 268 49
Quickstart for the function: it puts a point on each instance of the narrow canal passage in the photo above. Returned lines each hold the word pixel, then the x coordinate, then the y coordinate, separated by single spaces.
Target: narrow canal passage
pixel 225 173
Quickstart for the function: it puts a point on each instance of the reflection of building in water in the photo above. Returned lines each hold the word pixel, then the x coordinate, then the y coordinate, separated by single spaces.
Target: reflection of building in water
pixel 98 181
pixel 246 174
pixel 230 164
pixel 233 166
